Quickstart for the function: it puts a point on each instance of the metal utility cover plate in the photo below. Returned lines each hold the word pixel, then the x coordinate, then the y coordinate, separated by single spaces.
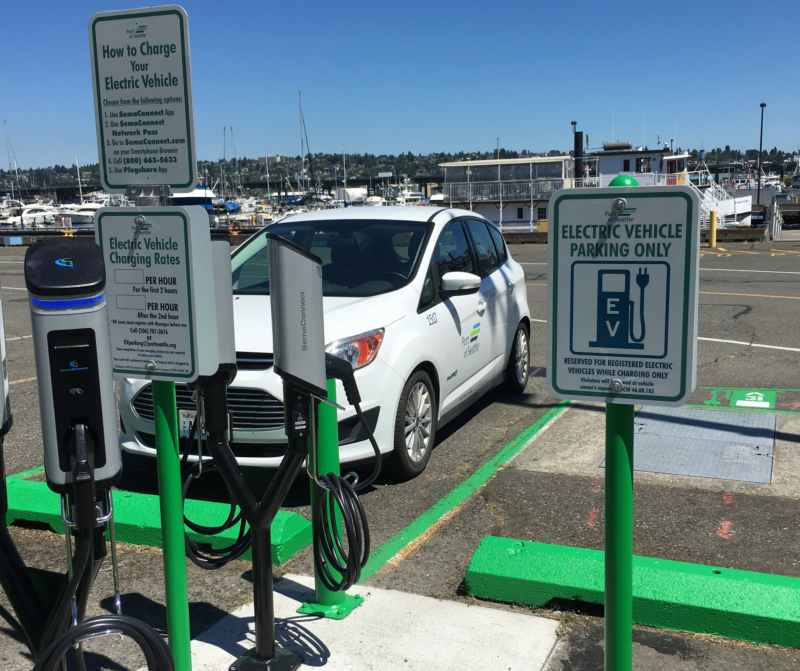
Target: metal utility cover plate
pixel 705 443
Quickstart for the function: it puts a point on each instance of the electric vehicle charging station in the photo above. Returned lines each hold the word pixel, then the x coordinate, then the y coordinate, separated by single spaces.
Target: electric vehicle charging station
pixel 298 339
pixel 609 342
pixel 70 332
pixel 66 281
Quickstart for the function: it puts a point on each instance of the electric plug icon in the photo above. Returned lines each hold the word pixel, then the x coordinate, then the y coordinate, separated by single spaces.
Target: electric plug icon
pixel 642 278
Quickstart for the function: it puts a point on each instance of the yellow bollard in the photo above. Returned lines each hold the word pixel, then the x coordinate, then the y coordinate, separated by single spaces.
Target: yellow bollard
pixel 712 234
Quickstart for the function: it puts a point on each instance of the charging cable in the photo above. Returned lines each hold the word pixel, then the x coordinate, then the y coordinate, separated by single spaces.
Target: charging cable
pixel 209 557
pixel 57 641
pixel 337 507
pixel 338 504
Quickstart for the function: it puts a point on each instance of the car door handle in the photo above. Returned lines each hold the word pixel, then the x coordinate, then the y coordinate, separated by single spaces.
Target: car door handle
pixel 481 307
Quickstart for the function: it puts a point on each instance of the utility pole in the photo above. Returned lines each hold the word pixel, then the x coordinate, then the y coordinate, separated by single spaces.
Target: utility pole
pixel 760 149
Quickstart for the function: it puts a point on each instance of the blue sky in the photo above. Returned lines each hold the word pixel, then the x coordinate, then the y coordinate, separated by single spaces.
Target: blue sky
pixel 428 76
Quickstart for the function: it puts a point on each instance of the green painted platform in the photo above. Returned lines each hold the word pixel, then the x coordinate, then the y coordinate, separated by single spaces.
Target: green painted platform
pixel 138 518
pixel 744 605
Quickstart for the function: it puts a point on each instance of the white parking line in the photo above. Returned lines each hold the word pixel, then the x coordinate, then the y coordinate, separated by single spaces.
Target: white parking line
pixel 750 344
pixel 743 343
pixel 15 338
pixel 21 380
pixel 740 270
pixel 533 263
pixel 14 288
pixel 20 262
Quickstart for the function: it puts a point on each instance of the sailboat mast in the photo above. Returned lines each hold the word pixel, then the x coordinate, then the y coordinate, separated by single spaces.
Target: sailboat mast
pixel 224 158
pixel 78 171
pixel 266 165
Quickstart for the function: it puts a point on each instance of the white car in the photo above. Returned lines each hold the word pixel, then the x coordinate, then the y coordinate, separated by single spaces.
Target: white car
pixel 427 305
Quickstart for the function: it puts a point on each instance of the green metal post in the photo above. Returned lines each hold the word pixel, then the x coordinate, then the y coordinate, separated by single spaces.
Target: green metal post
pixel 619 538
pixel 335 605
pixel 171 501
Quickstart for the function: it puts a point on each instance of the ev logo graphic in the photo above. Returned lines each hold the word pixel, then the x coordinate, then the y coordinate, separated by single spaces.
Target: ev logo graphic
pixel 64 263
pixel 618 309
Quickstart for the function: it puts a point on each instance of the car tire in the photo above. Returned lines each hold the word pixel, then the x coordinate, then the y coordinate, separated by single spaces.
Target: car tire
pixel 414 426
pixel 519 361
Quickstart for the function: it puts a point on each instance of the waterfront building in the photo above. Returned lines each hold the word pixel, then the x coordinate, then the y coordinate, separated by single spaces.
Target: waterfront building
pixel 515 192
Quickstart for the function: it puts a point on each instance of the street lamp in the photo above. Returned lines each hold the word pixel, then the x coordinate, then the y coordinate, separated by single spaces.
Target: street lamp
pixel 760 149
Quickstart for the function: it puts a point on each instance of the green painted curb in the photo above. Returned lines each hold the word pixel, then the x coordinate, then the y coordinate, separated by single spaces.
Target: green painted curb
pixel 138 518
pixel 745 605
pixel 460 493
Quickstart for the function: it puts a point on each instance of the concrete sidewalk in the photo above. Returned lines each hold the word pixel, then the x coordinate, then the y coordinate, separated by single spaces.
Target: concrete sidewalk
pixel 391 630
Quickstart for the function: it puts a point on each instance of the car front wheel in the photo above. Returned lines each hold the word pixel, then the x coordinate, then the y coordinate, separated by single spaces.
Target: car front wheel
pixel 415 426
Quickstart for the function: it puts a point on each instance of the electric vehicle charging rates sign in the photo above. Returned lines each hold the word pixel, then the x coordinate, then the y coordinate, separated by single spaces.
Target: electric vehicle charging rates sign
pixel 623 294
pixel 159 291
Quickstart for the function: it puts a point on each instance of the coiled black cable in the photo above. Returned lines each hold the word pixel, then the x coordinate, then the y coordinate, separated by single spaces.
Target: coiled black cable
pixel 153 647
pixel 339 568
pixel 216 557
pixel 212 558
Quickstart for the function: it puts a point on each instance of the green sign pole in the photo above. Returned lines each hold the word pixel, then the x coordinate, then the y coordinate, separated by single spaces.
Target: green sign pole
pixel 171 501
pixel 335 605
pixel 619 525
pixel 619 537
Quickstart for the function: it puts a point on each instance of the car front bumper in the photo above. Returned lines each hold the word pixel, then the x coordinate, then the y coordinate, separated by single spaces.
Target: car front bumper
pixel 265 448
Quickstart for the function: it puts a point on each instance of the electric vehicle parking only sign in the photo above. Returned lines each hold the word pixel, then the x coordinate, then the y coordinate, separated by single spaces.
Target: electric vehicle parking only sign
pixel 623 294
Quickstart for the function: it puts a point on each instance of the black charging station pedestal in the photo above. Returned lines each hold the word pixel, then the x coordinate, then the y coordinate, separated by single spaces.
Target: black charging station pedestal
pixel 299 350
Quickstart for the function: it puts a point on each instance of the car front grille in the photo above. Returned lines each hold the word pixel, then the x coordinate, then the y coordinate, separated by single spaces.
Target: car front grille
pixel 251 409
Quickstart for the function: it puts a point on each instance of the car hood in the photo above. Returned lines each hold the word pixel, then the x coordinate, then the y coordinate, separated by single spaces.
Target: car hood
pixel 344 317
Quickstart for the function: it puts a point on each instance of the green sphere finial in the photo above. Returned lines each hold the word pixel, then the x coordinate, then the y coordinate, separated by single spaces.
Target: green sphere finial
pixel 623 180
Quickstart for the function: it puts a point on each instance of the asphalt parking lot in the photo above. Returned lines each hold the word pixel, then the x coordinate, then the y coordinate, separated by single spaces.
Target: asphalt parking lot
pixel 750 309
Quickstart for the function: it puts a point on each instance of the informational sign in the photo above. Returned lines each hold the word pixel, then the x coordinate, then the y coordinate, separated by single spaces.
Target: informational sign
pixel 382 175
pixel 159 291
pixel 143 98
pixel 623 294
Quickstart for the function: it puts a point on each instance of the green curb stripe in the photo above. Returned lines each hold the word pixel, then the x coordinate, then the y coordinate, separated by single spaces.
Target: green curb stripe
pixel 745 605
pixel 29 473
pixel 138 518
pixel 457 495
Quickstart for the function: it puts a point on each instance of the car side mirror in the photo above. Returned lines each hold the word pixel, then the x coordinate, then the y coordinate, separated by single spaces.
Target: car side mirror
pixel 456 283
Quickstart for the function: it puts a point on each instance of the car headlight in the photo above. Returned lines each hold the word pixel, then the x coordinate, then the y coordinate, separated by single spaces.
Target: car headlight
pixel 359 350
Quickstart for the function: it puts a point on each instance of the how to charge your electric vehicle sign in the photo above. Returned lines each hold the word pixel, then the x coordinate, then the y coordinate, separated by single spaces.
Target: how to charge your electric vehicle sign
pixel 623 294
pixel 143 98
pixel 155 270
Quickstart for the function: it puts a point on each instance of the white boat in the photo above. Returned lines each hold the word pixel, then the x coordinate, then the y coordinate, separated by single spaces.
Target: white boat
pixel 37 216
pixel 200 195
pixel 79 216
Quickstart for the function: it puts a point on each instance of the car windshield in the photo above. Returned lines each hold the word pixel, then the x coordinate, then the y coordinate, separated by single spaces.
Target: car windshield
pixel 359 258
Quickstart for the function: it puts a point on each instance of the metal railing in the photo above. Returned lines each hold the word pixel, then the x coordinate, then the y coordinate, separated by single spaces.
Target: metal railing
pixel 509 191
